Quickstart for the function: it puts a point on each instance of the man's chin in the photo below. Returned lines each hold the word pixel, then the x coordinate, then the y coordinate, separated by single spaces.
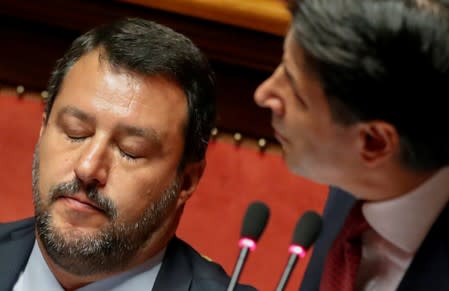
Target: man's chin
pixel 67 233
pixel 298 169
pixel 73 235
pixel 85 252
pixel 292 164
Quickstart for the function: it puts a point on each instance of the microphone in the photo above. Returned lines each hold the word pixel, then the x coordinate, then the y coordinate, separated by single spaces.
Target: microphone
pixel 306 232
pixel 254 223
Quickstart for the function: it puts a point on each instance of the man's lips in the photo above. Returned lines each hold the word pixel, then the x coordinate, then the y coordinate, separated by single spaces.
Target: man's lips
pixel 79 200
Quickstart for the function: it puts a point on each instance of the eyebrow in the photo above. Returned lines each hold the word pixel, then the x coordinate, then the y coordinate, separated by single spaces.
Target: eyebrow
pixel 69 110
pixel 149 134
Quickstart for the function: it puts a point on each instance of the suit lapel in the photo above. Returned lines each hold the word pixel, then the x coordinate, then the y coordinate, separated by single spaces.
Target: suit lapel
pixel 176 271
pixel 15 249
pixel 338 205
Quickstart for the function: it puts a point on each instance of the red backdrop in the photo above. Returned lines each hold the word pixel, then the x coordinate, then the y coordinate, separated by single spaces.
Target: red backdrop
pixel 235 176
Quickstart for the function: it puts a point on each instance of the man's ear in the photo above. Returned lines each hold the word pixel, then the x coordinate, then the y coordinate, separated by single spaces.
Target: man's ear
pixel 189 180
pixel 43 124
pixel 379 143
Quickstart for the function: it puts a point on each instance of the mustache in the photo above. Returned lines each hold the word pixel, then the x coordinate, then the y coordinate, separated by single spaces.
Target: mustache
pixel 69 189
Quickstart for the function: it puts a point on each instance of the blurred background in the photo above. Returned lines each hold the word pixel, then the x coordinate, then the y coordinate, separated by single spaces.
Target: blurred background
pixel 243 40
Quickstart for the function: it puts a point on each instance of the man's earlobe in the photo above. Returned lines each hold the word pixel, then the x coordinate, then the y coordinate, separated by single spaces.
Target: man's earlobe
pixel 379 143
pixel 189 180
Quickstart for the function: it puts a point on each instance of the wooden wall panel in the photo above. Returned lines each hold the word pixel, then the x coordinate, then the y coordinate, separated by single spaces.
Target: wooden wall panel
pixel 36 33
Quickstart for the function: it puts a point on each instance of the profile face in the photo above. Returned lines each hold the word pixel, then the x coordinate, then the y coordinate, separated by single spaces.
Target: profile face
pixel 314 145
pixel 105 173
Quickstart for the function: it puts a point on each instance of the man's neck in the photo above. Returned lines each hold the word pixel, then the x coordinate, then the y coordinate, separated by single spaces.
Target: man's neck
pixel 388 183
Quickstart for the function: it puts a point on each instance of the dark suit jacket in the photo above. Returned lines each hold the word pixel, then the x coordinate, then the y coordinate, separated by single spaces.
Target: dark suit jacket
pixel 182 267
pixel 429 269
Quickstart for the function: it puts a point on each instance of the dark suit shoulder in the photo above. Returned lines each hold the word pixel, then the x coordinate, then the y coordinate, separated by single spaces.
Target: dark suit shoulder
pixel 207 271
pixel 16 243
pixel 429 268
pixel 192 271
pixel 16 229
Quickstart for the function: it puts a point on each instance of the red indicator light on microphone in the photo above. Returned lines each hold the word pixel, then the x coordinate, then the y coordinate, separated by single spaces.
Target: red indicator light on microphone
pixel 297 250
pixel 247 242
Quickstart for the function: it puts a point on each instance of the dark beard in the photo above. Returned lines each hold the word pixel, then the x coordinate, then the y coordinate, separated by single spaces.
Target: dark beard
pixel 111 247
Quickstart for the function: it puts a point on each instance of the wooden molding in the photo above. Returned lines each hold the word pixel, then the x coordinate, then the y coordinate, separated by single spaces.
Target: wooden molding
pixel 269 16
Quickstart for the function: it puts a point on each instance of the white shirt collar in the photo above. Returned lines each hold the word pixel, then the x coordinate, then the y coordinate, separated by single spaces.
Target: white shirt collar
pixel 405 221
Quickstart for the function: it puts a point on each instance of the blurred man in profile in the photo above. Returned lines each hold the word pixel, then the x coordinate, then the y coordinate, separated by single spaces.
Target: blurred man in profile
pixel 121 149
pixel 358 102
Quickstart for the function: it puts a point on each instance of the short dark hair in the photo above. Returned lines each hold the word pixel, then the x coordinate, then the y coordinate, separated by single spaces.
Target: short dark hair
pixel 150 49
pixel 383 60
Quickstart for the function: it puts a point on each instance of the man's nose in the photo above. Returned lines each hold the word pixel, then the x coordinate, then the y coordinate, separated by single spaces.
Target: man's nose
pixel 94 162
pixel 269 94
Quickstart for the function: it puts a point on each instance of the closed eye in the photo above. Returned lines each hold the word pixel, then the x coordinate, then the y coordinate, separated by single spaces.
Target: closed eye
pixel 75 138
pixel 128 156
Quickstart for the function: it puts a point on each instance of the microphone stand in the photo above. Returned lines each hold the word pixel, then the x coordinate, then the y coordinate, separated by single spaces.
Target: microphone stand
pixel 292 260
pixel 238 268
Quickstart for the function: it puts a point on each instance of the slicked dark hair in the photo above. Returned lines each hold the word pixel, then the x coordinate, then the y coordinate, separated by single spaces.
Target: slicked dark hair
pixel 150 49
pixel 383 60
